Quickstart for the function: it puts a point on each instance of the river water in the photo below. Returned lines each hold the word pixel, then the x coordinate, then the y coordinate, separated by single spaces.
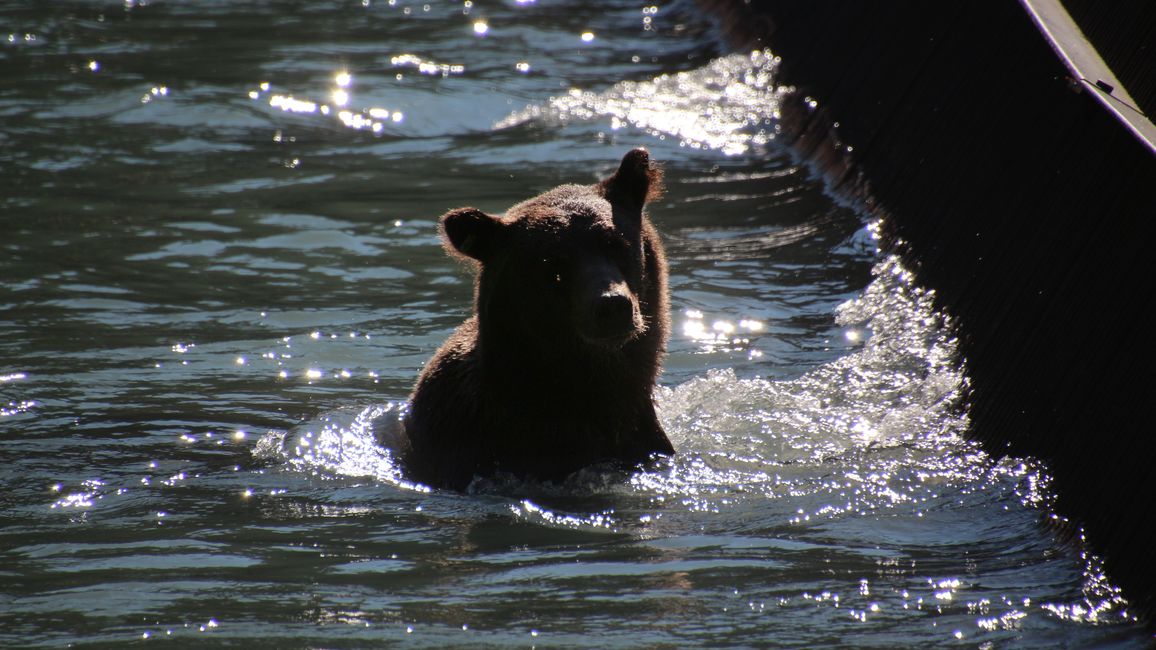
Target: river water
pixel 220 275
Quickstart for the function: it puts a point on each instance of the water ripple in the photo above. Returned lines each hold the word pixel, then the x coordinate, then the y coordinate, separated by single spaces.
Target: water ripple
pixel 730 105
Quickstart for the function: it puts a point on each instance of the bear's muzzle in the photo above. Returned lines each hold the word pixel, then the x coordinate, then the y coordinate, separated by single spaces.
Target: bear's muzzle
pixel 614 318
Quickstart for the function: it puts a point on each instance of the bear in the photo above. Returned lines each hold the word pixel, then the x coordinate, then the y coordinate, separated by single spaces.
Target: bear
pixel 556 368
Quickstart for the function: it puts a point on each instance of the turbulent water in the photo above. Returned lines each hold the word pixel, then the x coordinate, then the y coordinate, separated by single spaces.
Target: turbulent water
pixel 220 275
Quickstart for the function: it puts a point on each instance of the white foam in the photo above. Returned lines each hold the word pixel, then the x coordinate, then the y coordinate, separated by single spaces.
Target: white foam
pixel 341 442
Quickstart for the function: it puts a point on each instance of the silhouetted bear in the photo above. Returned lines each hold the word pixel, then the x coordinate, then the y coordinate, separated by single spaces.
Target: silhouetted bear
pixel 554 371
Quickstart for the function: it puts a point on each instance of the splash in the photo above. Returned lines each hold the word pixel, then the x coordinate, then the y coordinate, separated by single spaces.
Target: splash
pixel 731 105
pixel 874 428
pixel 904 384
pixel 343 442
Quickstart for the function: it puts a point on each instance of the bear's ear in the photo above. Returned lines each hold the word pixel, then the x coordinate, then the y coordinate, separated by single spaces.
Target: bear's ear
pixel 636 181
pixel 471 232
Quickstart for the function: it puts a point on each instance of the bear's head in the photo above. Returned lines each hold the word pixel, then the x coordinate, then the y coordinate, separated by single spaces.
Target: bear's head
pixel 574 266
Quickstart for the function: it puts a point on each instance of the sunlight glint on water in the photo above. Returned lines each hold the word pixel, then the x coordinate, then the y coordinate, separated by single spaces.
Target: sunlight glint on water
pixel 731 105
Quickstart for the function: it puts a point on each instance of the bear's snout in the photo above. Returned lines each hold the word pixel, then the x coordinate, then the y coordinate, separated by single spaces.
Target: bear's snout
pixel 614 318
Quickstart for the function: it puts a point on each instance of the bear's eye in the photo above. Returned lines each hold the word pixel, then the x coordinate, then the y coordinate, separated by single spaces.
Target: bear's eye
pixel 623 257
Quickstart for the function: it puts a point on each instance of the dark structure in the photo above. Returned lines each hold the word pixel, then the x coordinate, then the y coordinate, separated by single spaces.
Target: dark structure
pixel 1025 205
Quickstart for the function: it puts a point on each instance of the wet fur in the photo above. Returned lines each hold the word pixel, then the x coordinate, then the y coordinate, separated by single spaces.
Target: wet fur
pixel 523 387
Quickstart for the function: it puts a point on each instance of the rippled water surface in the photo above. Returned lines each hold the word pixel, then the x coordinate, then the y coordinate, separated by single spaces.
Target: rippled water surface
pixel 220 275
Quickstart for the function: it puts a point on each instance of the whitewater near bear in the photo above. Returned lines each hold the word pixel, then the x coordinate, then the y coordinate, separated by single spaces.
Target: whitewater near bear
pixel 555 369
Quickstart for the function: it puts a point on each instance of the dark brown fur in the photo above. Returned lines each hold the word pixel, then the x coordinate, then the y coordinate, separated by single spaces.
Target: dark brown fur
pixel 554 371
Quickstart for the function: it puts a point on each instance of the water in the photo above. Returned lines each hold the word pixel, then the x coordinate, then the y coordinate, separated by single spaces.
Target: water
pixel 220 275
